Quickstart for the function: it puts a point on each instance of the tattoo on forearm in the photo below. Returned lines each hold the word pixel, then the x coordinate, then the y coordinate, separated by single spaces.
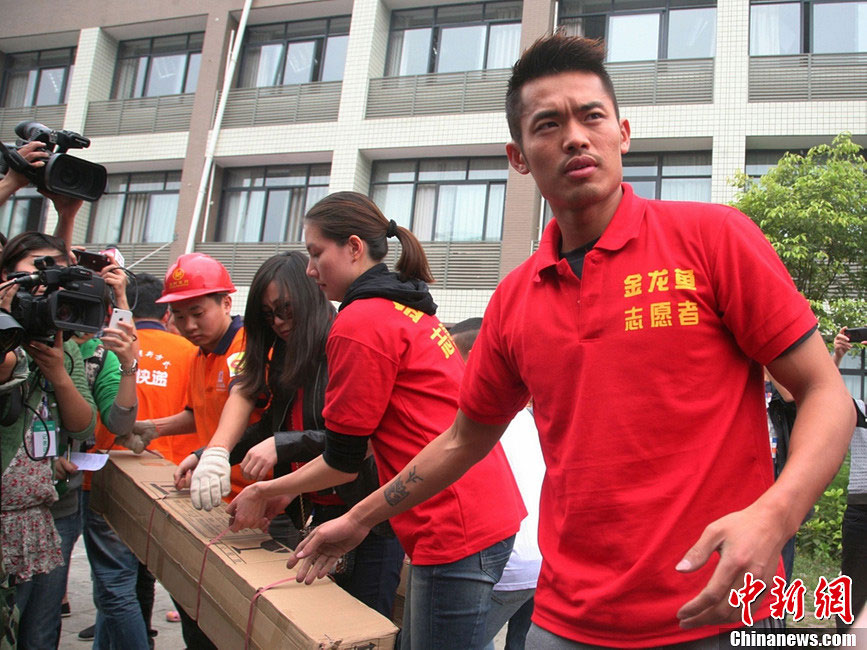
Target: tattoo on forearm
pixel 397 492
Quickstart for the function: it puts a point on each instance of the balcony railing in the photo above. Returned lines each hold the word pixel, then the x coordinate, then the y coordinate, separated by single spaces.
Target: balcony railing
pixel 51 116
pixel 140 115
pixel 300 103
pixel 674 81
pixel 808 77
pixel 455 265
pixel 476 91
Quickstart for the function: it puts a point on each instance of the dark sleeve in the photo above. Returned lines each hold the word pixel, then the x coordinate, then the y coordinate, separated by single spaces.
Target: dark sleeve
pixel 299 446
pixel 253 435
pixel 345 453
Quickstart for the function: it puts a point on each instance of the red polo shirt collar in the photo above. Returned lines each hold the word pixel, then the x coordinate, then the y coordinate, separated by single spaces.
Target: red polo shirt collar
pixel 624 226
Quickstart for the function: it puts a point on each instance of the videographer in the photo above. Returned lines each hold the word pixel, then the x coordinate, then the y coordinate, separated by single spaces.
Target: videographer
pixel 55 389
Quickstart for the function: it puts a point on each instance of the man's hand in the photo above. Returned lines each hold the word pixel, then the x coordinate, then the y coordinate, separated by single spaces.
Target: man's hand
pixel 841 346
pixel 747 540
pixel 63 469
pixel 184 473
pixel 321 550
pixel 33 153
pixel 260 460
pixel 210 481
pixel 132 441
pixel 146 430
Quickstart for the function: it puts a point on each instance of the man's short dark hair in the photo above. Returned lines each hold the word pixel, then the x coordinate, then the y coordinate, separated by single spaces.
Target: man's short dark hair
pixel 464 334
pixel 552 55
pixel 149 289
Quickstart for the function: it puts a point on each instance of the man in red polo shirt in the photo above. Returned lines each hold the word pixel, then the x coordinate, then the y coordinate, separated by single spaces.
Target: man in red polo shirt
pixel 639 328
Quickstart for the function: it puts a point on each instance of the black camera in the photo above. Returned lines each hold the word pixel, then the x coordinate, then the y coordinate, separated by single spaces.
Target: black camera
pixel 62 173
pixel 80 307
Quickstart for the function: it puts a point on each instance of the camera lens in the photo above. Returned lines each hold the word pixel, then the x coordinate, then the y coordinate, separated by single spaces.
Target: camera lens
pixel 75 177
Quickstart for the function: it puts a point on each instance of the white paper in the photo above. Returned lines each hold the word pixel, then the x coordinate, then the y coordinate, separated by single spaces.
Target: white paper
pixel 90 462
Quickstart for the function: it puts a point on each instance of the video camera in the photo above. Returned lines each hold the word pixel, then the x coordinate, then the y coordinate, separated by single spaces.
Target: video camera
pixel 80 307
pixel 62 173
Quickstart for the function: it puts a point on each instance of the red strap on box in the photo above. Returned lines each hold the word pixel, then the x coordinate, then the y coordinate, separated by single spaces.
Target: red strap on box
pixel 259 591
pixel 202 570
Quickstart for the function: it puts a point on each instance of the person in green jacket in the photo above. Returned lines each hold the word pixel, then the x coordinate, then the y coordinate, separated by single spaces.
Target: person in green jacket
pixel 47 381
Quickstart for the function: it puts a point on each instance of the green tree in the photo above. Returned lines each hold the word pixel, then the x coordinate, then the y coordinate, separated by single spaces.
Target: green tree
pixel 813 209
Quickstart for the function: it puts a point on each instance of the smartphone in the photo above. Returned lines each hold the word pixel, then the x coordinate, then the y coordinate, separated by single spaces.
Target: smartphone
pixel 119 316
pixel 856 334
pixel 93 261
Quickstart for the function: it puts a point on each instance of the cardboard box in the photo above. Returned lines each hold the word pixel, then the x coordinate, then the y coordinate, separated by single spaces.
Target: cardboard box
pixel 159 524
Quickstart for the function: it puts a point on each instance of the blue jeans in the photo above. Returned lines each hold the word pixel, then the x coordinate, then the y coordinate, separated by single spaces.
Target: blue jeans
pixel 514 608
pixel 854 557
pixel 39 598
pixel 447 604
pixel 114 568
pixel 375 573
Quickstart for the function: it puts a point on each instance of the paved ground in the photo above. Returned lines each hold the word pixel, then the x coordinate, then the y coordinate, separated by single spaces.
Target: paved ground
pixel 84 612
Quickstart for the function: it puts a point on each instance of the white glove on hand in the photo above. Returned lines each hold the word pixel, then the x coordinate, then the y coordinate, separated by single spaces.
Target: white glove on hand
pixel 132 441
pixel 210 481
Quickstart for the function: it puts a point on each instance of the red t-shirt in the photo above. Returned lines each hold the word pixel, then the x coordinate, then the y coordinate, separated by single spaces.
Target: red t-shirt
pixel 211 377
pixel 647 389
pixel 394 374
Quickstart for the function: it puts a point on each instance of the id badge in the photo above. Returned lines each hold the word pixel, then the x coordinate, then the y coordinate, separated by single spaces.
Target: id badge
pixel 44 438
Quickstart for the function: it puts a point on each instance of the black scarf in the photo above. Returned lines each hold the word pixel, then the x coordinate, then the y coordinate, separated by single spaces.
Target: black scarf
pixel 379 282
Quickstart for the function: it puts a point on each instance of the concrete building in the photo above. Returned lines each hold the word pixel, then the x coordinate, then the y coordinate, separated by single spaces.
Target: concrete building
pixel 402 99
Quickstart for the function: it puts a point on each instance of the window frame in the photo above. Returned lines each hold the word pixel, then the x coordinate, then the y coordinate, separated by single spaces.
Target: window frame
pixel 188 50
pixel 267 188
pixel 663 8
pixel 436 26
pixel 805 38
pixel 8 70
pixel 321 46
pixel 124 217
pixel 466 181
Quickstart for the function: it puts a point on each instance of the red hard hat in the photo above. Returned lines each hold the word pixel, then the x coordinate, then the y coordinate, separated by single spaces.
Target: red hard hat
pixel 194 275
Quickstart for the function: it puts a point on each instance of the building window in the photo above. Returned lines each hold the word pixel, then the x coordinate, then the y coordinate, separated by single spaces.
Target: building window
pixel 37 78
pixel 853 368
pixel 669 176
pixel 268 204
pixel 22 212
pixel 294 53
pixel 645 30
pixel 454 38
pixel 137 208
pixel 780 28
pixel 152 67
pixel 452 199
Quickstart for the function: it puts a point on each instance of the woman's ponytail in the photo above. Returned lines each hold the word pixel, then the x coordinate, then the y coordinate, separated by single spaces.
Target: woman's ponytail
pixel 343 214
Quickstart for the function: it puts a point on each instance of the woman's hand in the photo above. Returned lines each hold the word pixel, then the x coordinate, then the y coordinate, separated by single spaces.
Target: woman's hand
pixel 184 472
pixel 49 358
pixel 63 469
pixel 260 460
pixel 252 510
pixel 123 341
pixel 115 278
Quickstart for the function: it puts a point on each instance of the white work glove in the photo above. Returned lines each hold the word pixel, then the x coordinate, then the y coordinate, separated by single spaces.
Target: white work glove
pixel 133 442
pixel 210 481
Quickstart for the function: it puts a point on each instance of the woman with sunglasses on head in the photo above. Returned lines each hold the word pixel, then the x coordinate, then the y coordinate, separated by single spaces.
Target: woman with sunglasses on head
pixel 286 321
pixel 394 375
